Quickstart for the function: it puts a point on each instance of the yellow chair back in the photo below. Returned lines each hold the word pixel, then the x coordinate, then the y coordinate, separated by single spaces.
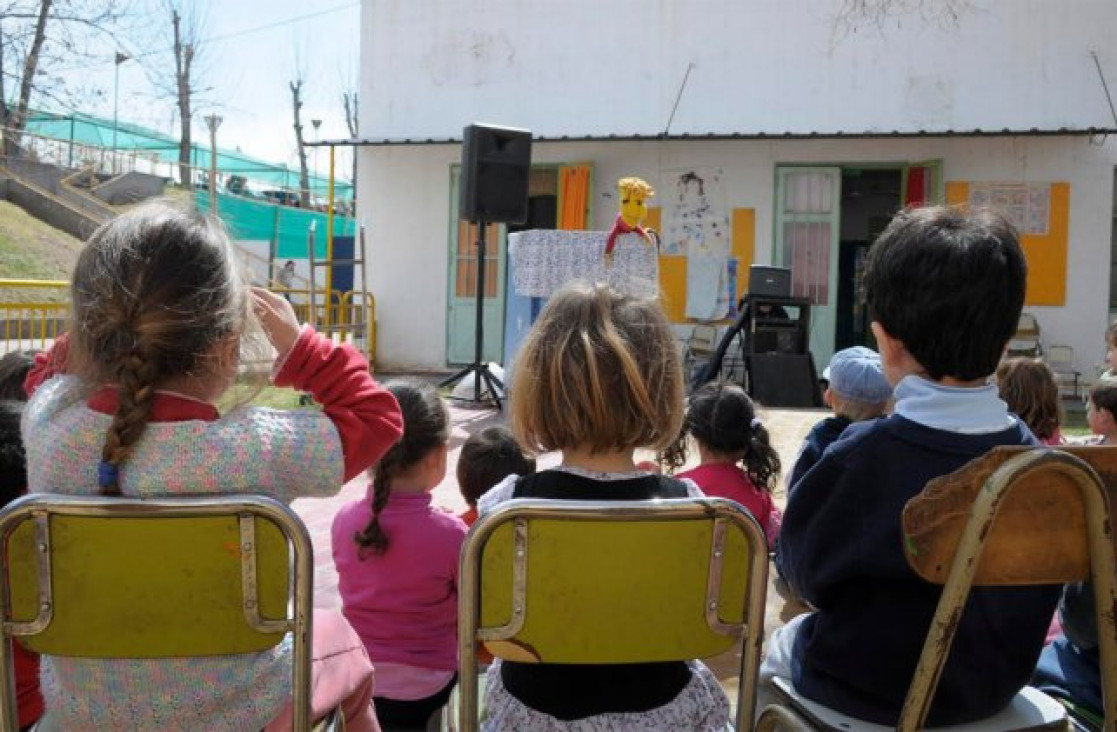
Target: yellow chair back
pixel 156 578
pixel 612 582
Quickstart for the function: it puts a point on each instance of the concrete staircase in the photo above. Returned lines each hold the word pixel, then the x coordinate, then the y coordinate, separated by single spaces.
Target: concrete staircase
pixel 75 201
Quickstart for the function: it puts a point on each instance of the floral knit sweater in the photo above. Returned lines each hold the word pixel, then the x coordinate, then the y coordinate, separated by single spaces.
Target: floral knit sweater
pixel 187 448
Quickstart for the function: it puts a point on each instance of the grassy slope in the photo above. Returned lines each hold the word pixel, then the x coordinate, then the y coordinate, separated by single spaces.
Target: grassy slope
pixel 30 249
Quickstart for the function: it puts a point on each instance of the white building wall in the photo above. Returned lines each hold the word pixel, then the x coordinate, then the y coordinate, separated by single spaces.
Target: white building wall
pixel 587 67
pixel 405 201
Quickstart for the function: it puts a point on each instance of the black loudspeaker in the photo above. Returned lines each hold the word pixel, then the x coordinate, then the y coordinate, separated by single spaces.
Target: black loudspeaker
pixel 495 166
pixel 784 380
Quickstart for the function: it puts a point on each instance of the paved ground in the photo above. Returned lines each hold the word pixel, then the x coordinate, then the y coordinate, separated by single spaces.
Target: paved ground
pixel 787 426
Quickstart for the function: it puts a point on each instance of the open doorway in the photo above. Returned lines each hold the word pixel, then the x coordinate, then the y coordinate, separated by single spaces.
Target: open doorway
pixel 542 200
pixel 870 197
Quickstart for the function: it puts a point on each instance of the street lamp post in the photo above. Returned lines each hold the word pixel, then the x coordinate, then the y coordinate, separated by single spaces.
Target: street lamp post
pixel 316 123
pixel 121 57
pixel 213 121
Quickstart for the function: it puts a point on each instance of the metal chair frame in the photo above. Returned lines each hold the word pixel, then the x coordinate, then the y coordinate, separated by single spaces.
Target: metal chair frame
pixel 983 514
pixel 39 508
pixel 521 513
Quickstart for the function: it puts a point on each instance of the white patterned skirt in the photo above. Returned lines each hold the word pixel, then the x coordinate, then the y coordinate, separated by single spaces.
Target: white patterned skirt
pixel 701 705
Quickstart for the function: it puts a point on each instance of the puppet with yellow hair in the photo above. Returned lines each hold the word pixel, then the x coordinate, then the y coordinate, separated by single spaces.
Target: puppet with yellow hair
pixel 634 193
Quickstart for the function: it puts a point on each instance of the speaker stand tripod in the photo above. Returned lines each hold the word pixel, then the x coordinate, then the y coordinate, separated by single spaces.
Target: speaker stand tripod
pixel 482 376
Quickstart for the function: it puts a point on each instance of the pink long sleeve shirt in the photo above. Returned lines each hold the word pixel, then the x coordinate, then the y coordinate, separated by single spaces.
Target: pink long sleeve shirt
pixel 403 603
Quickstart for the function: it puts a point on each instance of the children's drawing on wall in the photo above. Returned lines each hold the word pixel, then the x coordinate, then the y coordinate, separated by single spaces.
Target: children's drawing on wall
pixel 696 225
pixel 696 219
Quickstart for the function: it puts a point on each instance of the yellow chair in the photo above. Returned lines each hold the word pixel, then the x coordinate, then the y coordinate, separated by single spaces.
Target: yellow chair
pixel 156 578
pixel 1013 517
pixel 612 582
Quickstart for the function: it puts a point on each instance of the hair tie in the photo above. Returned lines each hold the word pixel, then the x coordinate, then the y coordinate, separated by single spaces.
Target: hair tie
pixel 756 423
pixel 107 474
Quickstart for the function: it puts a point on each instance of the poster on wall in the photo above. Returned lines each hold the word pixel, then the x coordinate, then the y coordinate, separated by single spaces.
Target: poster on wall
pixel 1026 205
pixel 696 225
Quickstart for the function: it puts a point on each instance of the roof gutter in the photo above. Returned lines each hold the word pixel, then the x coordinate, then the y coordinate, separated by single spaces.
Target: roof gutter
pixel 685 137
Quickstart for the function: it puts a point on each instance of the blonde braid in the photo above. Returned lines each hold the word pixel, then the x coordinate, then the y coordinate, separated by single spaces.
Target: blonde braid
pixel 136 378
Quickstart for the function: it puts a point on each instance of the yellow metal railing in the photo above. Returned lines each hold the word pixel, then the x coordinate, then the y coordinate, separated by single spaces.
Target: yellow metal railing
pixel 30 322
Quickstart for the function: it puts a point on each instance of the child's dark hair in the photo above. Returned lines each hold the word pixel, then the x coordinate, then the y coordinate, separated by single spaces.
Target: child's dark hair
pixel 1029 388
pixel 154 291
pixel 722 417
pixel 487 458
pixel 1104 395
pixel 426 425
pixel 949 285
pixel 13 461
pixel 14 367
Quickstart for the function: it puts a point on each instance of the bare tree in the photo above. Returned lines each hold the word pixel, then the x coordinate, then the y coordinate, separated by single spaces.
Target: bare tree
pixel 176 79
pixel 184 62
pixel 349 101
pixel 300 141
pixel 40 38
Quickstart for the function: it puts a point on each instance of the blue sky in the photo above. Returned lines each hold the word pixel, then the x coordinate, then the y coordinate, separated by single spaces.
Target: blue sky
pixel 257 47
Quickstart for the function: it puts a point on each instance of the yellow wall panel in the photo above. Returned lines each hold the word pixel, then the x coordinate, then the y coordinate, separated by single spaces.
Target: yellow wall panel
pixel 957 192
pixel 1047 253
pixel 744 245
pixel 672 287
pixel 673 268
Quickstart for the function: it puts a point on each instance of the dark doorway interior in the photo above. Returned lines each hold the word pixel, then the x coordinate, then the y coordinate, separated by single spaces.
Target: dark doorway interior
pixel 542 201
pixel 870 197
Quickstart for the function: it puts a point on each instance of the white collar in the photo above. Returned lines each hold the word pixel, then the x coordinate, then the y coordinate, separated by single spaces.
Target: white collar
pixel 968 410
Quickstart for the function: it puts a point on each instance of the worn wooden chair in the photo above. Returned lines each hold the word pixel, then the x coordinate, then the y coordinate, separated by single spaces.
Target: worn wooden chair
pixel 612 582
pixel 155 578
pixel 1016 516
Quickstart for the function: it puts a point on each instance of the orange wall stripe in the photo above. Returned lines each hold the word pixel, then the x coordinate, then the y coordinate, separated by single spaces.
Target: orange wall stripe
pixel 1047 253
pixel 743 245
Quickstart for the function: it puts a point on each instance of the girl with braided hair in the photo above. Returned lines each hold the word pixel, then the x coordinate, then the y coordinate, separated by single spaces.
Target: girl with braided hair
pixel 125 404
pixel 397 565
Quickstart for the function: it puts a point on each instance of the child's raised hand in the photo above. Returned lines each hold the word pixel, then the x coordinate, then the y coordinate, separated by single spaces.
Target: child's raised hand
pixel 277 318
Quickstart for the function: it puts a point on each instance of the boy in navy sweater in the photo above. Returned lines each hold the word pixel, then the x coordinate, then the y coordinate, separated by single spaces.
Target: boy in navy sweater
pixel 945 290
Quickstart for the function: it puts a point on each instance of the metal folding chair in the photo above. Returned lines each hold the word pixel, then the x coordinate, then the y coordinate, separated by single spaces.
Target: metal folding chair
pixel 612 582
pixel 1013 517
pixel 155 578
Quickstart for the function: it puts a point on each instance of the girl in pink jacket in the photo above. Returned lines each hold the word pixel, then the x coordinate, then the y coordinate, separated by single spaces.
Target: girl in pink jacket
pixel 397 564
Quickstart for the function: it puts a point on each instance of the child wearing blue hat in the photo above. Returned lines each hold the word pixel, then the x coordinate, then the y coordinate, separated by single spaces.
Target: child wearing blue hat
pixel 858 391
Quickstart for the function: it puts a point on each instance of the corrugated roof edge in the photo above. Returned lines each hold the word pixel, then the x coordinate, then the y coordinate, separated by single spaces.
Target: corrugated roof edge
pixel 1033 132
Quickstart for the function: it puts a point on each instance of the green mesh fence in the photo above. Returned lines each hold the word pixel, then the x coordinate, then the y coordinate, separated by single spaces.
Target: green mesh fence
pixel 83 129
pixel 260 221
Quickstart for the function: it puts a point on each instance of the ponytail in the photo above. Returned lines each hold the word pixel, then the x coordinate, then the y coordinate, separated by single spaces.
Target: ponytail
pixel 761 461
pixel 373 538
pixel 674 455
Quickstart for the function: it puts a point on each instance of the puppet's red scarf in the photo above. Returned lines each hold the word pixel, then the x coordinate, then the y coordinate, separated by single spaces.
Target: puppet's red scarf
pixel 620 227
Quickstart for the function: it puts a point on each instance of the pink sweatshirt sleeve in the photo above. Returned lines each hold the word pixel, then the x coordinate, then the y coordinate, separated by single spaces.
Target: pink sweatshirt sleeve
pixel 366 415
